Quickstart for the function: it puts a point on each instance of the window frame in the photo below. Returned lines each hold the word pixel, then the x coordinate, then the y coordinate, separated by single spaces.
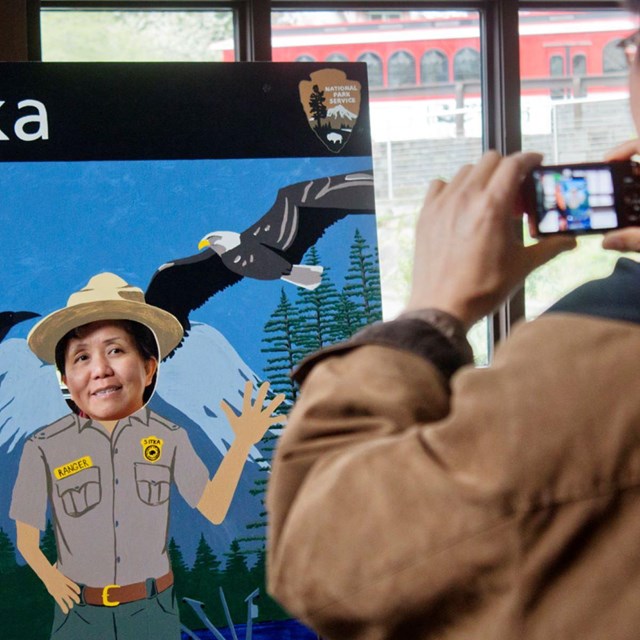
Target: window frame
pixel 499 19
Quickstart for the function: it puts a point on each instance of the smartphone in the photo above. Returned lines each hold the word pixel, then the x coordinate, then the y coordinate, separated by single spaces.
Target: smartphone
pixel 591 197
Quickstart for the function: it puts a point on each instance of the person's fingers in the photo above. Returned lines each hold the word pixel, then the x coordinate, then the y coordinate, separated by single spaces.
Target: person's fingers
pixel 460 178
pixel 623 240
pixel 435 187
pixel 546 249
pixel 506 180
pixel 623 151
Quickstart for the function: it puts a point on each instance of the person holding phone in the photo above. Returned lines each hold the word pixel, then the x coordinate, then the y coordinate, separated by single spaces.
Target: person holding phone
pixel 414 496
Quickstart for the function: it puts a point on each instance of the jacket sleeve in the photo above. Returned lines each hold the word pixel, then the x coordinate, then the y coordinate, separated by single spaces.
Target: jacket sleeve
pixel 397 506
pixel 341 468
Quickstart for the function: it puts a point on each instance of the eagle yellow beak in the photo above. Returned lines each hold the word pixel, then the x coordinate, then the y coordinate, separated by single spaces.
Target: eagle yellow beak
pixel 203 243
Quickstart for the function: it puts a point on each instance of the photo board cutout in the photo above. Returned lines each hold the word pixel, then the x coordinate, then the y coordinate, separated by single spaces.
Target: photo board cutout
pixel 217 191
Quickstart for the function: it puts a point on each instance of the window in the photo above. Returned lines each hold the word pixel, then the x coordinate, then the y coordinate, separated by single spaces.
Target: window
pixel 569 128
pixel 556 69
pixel 466 64
pixel 137 36
pixel 374 68
pixel 402 69
pixel 434 67
pixel 613 58
pixel 337 57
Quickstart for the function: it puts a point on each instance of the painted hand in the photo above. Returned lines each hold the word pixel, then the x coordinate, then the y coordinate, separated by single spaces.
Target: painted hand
pixel 251 425
pixel 64 591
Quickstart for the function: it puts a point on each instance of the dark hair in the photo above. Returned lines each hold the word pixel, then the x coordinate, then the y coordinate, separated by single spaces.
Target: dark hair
pixel 143 338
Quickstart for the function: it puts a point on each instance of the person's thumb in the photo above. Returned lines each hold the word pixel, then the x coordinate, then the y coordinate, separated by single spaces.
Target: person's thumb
pixel 544 250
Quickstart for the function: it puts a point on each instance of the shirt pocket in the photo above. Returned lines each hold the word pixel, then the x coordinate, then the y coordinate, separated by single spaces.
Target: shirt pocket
pixel 153 483
pixel 80 492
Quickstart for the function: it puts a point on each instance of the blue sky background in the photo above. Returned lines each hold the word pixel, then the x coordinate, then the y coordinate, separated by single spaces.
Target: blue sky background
pixel 63 222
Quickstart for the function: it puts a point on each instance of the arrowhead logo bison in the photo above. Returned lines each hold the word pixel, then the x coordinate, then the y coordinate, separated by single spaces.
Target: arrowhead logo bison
pixel 332 104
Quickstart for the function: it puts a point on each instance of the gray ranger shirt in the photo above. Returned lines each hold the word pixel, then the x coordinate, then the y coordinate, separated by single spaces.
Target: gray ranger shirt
pixel 109 495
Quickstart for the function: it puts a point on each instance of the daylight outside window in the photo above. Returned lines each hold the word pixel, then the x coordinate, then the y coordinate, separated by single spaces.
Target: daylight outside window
pixel 574 109
pixel 134 36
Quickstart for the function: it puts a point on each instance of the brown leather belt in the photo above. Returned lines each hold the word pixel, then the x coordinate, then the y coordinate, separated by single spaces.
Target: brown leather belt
pixel 114 594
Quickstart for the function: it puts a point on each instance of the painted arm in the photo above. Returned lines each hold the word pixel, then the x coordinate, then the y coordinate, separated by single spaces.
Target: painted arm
pixel 64 591
pixel 249 428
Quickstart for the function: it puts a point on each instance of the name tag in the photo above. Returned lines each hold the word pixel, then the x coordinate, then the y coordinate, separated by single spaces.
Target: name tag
pixel 70 468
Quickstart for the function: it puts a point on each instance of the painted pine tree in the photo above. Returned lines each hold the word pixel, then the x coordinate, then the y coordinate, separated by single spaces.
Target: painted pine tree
pixel 348 319
pixel 318 309
pixel 281 343
pixel 8 562
pixel 202 584
pixel 237 581
pixel 363 280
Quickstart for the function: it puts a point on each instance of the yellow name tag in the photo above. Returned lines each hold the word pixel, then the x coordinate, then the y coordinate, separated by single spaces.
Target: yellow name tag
pixel 73 467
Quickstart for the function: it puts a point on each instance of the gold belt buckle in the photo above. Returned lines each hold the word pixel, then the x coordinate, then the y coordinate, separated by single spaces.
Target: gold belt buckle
pixel 105 596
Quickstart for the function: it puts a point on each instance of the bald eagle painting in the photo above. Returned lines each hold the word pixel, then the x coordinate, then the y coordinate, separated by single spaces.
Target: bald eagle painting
pixel 269 249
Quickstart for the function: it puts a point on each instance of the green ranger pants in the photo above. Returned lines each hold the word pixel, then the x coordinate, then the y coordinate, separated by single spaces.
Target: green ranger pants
pixel 154 618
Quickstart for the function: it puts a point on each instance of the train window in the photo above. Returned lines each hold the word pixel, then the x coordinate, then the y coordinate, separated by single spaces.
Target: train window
pixel 374 68
pixel 466 64
pixel 579 65
pixel 556 69
pixel 136 36
pixel 434 67
pixel 419 131
pixel 585 117
pixel 579 70
pixel 614 59
pixel 402 69
pixel 337 57
pixel 305 58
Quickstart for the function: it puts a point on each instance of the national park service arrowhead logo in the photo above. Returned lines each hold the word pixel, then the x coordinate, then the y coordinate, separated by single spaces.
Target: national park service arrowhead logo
pixel 332 104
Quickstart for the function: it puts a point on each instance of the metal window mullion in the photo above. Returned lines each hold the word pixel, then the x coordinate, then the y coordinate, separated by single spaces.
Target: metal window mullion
pixel 502 130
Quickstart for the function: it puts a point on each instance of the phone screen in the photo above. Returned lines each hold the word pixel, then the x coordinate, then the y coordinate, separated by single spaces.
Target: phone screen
pixel 575 199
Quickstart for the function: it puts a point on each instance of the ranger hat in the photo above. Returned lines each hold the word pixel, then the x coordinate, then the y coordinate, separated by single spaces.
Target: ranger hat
pixel 105 297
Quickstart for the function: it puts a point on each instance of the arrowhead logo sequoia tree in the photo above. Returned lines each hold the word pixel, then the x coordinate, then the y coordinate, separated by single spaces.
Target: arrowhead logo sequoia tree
pixel 332 104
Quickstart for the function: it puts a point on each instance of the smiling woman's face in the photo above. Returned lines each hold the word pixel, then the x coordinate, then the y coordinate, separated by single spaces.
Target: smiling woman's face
pixel 105 372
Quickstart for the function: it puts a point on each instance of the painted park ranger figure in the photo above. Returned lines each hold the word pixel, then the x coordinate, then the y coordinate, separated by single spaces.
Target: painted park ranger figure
pixel 106 471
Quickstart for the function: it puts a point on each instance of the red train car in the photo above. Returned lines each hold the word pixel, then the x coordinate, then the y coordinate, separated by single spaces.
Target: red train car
pixel 414 57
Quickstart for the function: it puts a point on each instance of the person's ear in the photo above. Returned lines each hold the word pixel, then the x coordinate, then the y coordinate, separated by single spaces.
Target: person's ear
pixel 150 366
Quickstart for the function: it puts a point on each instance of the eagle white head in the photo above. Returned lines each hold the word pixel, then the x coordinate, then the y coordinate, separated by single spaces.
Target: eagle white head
pixel 220 241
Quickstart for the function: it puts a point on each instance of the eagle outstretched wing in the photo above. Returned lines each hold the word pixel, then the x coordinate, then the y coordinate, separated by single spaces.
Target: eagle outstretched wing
pixel 303 211
pixel 182 286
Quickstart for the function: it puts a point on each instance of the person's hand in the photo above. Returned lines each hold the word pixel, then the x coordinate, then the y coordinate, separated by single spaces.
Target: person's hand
pixel 251 425
pixel 627 239
pixel 468 254
pixel 64 591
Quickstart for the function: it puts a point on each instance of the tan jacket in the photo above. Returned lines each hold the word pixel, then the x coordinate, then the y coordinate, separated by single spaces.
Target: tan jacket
pixel 506 509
